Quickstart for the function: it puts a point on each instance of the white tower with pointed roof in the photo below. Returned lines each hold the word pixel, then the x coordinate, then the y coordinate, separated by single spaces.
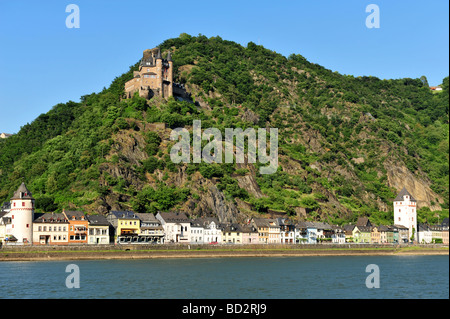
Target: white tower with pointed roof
pixel 22 215
pixel 405 212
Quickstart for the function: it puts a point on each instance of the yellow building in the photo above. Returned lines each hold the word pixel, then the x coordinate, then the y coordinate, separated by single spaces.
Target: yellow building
pixel 375 235
pixel 126 226
pixel 262 225
pixel 232 234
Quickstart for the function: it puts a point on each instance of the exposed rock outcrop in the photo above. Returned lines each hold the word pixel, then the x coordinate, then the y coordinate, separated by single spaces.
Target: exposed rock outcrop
pixel 399 176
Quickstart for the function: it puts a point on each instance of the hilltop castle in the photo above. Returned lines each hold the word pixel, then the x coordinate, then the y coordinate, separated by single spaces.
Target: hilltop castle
pixel 155 77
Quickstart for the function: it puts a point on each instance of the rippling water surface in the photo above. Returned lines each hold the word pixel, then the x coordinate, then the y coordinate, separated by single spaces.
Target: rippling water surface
pixel 223 278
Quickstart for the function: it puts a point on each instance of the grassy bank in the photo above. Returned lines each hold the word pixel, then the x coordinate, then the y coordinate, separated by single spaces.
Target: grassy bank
pixel 216 252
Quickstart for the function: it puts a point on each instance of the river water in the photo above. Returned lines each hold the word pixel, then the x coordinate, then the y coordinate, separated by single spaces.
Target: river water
pixel 332 277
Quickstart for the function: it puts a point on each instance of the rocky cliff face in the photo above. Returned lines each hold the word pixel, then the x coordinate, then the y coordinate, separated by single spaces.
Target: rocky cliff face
pixel 399 176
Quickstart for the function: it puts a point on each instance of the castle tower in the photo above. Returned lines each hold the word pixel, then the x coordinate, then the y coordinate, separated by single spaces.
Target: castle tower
pixel 22 215
pixel 170 73
pixel 160 73
pixel 405 212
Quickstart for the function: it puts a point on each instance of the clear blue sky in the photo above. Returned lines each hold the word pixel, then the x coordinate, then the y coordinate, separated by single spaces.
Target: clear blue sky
pixel 43 63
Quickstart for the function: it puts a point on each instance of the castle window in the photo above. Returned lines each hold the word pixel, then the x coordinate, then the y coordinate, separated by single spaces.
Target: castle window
pixel 23 204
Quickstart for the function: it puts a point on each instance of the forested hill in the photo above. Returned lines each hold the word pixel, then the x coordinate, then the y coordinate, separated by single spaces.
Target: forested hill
pixel 347 144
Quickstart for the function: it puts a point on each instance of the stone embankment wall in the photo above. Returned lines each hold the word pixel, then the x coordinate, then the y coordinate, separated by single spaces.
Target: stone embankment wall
pixel 126 247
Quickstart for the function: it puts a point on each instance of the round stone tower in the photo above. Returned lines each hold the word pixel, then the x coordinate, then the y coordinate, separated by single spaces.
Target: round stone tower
pixel 170 74
pixel 22 215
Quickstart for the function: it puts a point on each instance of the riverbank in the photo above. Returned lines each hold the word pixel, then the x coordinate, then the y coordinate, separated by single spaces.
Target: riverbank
pixel 34 253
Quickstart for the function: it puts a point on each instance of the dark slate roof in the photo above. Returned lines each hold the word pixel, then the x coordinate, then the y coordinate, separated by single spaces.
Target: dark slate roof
pixel 232 228
pixel 208 220
pixel 261 222
pixel 445 222
pixel 400 226
pixel 402 193
pixel 321 225
pixel 197 223
pixel 436 227
pixel 6 206
pixel 51 218
pixel 305 224
pixel 126 214
pixel 273 223
pixel 22 193
pixel 174 217
pixel 363 221
pixel 248 229
pixel 75 215
pixel 365 229
pixel 424 227
pixel 349 227
pixel 147 217
pixel 98 220
pixel 158 55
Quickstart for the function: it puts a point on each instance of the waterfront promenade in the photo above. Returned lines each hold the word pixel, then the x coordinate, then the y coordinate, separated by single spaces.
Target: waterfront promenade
pixel 140 251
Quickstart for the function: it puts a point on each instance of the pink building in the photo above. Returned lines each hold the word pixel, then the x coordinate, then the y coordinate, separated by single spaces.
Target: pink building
pixel 249 235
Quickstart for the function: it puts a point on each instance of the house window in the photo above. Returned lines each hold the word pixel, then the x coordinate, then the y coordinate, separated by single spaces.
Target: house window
pixel 40 228
pixel 399 219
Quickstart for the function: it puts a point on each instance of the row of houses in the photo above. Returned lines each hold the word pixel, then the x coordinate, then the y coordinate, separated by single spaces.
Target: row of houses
pixel 20 225
pixel 365 232
pixel 127 227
